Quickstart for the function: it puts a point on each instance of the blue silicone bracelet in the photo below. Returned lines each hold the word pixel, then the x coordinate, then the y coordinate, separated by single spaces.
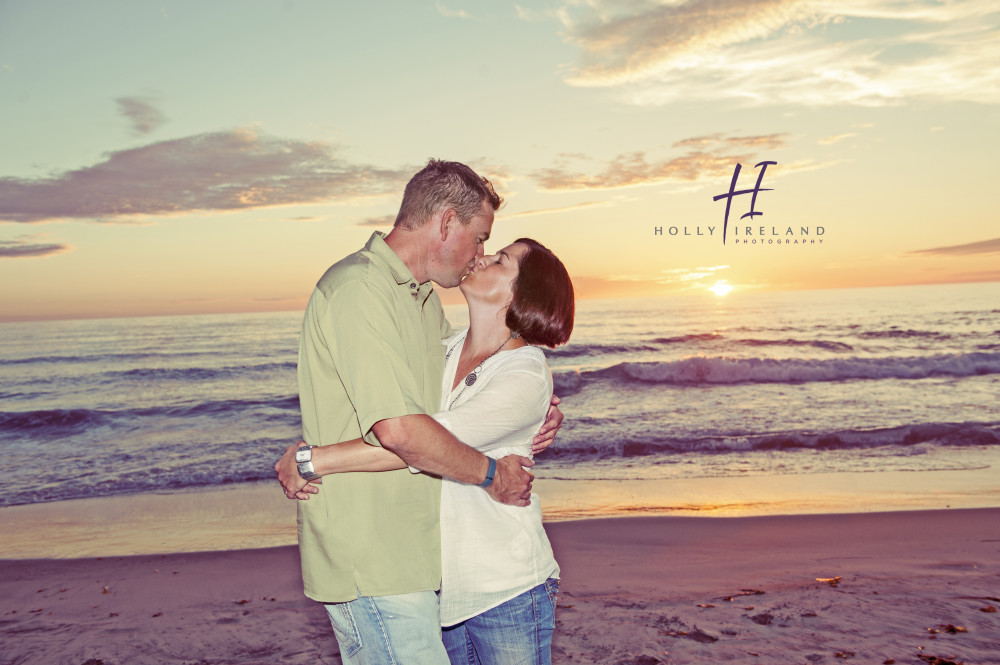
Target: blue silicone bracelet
pixel 490 472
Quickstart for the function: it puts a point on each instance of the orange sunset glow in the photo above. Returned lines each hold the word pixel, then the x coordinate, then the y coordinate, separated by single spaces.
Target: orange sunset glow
pixel 232 187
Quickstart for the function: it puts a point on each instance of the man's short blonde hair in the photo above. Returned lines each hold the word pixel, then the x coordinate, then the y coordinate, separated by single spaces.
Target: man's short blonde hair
pixel 443 184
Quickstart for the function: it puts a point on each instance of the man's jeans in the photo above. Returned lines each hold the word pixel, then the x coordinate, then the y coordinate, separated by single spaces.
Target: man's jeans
pixel 389 630
pixel 518 632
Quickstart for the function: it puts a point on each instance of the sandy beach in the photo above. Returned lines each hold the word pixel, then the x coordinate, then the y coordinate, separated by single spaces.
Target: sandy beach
pixel 904 587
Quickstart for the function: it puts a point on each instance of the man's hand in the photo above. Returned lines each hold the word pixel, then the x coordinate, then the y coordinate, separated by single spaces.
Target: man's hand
pixel 547 434
pixel 294 485
pixel 511 483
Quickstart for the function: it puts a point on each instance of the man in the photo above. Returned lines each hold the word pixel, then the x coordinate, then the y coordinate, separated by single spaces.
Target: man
pixel 370 365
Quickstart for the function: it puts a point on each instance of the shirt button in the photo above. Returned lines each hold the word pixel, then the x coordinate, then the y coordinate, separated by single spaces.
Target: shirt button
pixel 413 285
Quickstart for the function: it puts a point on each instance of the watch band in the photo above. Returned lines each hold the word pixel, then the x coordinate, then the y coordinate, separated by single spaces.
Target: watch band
pixel 303 459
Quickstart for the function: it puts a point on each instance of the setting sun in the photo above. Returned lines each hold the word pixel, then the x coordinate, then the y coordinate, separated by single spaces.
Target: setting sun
pixel 720 288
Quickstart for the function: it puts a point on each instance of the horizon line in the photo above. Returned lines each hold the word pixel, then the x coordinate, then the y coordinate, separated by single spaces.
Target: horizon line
pixel 451 302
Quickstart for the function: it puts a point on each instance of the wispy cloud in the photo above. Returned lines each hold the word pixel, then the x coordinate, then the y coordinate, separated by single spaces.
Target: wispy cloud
pixel 379 222
pixel 141 113
pixel 195 301
pixel 707 157
pixel 451 13
pixel 677 280
pixel 499 175
pixel 533 15
pixel 811 52
pixel 549 211
pixel 223 171
pixel 684 276
pixel 836 138
pixel 28 247
pixel 762 142
pixel 982 247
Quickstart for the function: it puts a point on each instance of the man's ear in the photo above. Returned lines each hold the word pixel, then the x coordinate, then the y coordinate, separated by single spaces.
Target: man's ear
pixel 446 222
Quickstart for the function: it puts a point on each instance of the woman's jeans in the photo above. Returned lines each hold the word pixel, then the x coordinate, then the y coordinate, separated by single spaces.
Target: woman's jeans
pixel 517 632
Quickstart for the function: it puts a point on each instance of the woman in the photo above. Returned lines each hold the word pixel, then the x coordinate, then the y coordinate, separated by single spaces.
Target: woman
pixel 499 578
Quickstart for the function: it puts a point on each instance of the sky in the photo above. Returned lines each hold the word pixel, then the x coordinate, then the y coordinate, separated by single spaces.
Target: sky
pixel 206 157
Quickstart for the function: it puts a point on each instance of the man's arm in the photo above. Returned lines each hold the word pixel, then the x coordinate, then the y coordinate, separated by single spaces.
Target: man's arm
pixel 420 442
pixel 353 455
pixel 423 443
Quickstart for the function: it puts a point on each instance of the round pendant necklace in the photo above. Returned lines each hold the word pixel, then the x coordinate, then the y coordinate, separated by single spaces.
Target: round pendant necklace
pixel 474 374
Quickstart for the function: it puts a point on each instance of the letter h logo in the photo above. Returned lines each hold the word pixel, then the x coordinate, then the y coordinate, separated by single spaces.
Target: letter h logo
pixel 732 193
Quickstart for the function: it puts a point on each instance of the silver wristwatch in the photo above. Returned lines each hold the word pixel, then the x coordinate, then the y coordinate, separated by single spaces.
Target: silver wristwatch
pixel 303 458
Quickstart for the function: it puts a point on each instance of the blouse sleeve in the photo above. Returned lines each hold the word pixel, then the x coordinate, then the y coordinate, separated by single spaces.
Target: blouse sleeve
pixel 508 410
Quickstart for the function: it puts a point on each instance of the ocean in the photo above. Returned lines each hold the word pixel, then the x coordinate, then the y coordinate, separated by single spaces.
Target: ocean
pixel 747 384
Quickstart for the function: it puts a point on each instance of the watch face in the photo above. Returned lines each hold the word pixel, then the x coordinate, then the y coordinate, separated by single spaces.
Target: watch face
pixel 303 454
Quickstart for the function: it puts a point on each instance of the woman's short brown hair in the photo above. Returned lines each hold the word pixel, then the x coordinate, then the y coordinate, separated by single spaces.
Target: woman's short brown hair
pixel 541 308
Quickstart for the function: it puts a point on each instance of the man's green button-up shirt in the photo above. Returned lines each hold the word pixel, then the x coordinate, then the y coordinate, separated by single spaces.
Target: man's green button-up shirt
pixel 370 349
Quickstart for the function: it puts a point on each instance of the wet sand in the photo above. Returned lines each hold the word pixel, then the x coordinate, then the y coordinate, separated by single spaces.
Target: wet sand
pixel 907 587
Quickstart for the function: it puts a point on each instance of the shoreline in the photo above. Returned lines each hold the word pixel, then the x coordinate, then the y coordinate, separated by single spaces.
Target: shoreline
pixel 635 591
pixel 255 515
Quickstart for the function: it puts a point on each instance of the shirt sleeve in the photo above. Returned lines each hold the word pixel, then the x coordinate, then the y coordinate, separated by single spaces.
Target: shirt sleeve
pixel 508 410
pixel 360 330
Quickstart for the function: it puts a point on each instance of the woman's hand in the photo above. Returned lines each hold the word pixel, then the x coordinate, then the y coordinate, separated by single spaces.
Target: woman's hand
pixel 547 434
pixel 294 485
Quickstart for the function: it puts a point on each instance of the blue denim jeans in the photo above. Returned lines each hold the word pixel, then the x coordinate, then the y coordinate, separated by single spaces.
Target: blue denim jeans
pixel 518 632
pixel 389 630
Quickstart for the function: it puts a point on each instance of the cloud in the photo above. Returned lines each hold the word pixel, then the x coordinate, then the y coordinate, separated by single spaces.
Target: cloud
pixel 982 247
pixel 195 301
pixel 451 13
pixel 678 280
pixel 763 142
pixel 979 276
pixel 548 211
pixel 708 157
pixel 141 113
pixel 836 138
pixel 652 38
pixel 533 15
pixel 379 222
pixel 806 52
pixel 386 221
pixel 677 276
pixel 22 248
pixel 223 171
pixel 499 175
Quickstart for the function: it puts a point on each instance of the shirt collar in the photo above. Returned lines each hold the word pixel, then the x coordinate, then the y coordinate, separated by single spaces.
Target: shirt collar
pixel 377 246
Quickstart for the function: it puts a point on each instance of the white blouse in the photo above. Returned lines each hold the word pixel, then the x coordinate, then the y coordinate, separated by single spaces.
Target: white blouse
pixel 491 552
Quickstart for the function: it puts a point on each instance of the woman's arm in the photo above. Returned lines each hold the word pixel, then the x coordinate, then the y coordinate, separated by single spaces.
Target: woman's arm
pixel 353 455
